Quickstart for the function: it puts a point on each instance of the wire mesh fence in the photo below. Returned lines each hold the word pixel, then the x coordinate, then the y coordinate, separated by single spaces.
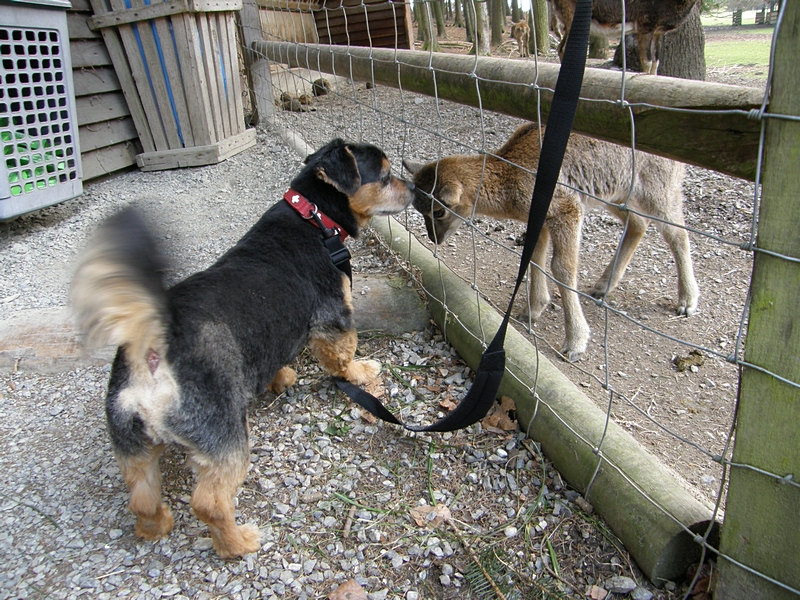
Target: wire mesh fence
pixel 660 356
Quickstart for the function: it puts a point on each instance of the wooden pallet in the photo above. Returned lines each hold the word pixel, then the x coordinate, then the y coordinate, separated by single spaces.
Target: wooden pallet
pixel 178 65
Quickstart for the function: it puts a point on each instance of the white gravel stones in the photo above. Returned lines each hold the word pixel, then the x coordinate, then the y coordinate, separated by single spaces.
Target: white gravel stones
pixel 329 490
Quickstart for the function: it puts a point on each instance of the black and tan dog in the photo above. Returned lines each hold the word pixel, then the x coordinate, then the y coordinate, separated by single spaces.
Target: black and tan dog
pixel 193 356
pixel 593 173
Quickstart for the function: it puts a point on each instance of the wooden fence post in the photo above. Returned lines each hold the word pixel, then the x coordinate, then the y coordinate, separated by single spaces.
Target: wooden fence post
pixel 260 75
pixel 762 518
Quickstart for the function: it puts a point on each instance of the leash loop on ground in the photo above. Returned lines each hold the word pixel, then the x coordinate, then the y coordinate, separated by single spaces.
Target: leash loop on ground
pixel 483 392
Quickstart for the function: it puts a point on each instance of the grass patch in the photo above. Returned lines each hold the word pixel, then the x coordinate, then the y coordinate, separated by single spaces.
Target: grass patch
pixel 732 53
pixel 760 31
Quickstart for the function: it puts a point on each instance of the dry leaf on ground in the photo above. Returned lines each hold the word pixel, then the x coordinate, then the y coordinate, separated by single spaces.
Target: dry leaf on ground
pixel 368 417
pixel 349 590
pixel 596 593
pixel 448 404
pixel 430 516
pixel 499 420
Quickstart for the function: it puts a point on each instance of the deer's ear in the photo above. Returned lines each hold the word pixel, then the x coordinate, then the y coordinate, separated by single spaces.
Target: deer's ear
pixel 412 166
pixel 450 194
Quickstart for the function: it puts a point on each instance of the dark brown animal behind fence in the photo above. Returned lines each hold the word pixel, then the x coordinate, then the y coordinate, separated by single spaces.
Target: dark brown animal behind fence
pixel 650 19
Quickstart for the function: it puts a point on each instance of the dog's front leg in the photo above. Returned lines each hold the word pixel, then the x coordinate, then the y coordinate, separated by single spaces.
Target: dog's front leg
pixel 336 350
pixel 334 344
pixel 283 380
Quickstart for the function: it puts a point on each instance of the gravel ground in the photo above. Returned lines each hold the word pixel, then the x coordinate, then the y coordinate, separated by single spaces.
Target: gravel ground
pixel 336 495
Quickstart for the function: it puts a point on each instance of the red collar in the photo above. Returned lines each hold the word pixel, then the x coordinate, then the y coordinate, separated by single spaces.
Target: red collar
pixel 308 209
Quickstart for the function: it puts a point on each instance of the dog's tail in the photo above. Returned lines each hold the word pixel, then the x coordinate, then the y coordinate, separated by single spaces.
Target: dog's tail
pixel 118 293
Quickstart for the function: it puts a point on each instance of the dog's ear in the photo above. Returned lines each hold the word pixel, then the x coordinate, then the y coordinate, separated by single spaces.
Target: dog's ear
pixel 412 166
pixel 338 167
pixel 335 143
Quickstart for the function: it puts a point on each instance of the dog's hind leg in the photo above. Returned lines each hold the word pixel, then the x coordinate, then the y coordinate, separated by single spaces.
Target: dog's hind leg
pixel 212 502
pixel 283 380
pixel 143 476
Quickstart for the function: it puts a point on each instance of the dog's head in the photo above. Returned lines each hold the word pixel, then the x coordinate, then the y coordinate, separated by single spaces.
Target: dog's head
pixel 363 174
pixel 439 196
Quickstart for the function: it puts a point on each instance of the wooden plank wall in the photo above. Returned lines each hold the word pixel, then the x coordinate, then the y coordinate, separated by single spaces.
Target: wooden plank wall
pixel 372 23
pixel 288 26
pixel 108 139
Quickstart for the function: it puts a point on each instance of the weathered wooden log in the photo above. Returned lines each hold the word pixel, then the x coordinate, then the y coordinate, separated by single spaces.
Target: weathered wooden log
pixel 643 502
pixel 704 124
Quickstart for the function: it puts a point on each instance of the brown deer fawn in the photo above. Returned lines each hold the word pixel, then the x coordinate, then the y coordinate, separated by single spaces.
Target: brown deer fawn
pixel 593 173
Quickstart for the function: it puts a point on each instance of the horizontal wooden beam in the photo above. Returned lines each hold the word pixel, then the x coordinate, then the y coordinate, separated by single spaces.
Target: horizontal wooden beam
pixel 88 54
pixel 107 160
pixel 106 133
pixel 100 107
pixel 88 82
pixel 290 5
pixel 700 123
pixel 162 9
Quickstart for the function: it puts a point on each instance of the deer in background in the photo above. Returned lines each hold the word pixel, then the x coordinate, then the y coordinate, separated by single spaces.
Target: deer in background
pixel 522 33
pixel 649 19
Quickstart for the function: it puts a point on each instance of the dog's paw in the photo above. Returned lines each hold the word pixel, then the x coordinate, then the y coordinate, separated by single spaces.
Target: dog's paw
pixel 157 526
pixel 362 372
pixel 241 540
pixel 283 380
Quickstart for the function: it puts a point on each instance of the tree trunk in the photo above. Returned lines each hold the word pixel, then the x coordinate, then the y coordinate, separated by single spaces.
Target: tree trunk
pixel 481 45
pixel 420 30
pixel 469 20
pixel 598 45
pixel 539 19
pixel 516 13
pixel 431 42
pixel 458 18
pixel 681 52
pixel 498 21
pixel 438 12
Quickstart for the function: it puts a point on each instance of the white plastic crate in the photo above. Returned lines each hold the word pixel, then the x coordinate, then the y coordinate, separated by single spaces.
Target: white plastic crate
pixel 38 123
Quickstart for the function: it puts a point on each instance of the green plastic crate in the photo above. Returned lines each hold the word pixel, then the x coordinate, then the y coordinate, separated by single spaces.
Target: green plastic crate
pixel 38 125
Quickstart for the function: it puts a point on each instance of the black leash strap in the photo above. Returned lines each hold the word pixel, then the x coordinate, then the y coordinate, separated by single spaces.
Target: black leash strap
pixel 482 394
